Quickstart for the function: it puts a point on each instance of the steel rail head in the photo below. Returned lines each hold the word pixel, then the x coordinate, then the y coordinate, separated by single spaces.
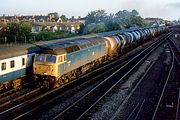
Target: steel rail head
pixel 168 77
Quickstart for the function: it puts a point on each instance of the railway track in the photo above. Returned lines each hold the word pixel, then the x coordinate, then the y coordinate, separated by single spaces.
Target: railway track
pixel 145 90
pixel 21 114
pixel 18 99
pixel 140 102
pixel 94 72
pixel 86 76
pixel 135 112
pixel 169 103
pixel 80 108
pixel 9 98
pixel 175 50
pixel 9 92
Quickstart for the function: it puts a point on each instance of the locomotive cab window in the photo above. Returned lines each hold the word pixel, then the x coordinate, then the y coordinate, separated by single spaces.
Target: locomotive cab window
pixel 3 66
pixel 12 64
pixel 60 59
pixel 39 58
pixel 50 58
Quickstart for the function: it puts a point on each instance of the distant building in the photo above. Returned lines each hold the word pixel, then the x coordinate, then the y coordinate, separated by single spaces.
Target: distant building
pixel 44 22
pixel 55 26
pixel 82 20
pixel 154 21
pixel 37 27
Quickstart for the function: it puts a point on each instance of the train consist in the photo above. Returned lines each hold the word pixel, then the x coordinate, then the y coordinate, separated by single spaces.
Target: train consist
pixel 58 63
pixel 61 60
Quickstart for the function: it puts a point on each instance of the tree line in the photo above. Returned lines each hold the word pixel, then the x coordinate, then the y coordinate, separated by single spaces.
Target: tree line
pixel 21 33
pixel 95 22
pixel 16 32
pixel 100 21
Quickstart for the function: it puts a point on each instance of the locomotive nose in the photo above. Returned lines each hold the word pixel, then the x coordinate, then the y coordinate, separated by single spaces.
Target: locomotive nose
pixel 44 69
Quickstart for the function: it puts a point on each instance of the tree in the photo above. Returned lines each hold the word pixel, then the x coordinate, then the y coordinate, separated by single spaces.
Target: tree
pixel 134 13
pixel 63 18
pixel 111 23
pixel 138 21
pixel 17 32
pixel 54 15
pixel 96 16
pixel 128 19
pixel 25 30
pixel 81 29
pixel 11 32
pixel 95 28
pixel 122 19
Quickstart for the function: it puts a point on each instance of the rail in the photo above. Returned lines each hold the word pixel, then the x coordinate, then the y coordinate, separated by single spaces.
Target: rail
pixel 85 103
pixel 170 81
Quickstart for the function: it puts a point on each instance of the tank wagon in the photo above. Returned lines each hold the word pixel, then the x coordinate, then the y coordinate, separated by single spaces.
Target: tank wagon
pixel 59 63
pixel 15 63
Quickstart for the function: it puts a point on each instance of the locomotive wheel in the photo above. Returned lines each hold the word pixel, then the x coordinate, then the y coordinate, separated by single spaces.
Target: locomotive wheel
pixel 46 84
pixel 6 85
pixel 16 83
pixel 65 81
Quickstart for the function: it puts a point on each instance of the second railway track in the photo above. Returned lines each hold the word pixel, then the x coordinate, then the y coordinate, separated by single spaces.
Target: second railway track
pixel 168 107
pixel 89 100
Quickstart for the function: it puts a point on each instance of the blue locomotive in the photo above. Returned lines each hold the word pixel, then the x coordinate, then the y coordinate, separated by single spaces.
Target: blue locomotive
pixel 58 63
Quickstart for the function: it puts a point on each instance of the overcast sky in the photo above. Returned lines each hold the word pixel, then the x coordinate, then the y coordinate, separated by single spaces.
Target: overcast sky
pixel 166 9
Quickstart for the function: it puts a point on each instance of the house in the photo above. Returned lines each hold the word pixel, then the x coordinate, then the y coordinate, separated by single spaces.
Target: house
pixel 41 22
pixel 154 21
pixel 37 27
pixel 54 28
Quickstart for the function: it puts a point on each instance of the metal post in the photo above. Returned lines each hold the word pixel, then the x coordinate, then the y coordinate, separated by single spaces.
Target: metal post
pixel 25 38
pixel 15 39
pixel 5 39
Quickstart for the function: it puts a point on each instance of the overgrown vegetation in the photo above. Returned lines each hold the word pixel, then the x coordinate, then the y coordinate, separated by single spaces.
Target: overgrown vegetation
pixel 45 35
pixel 16 32
pixel 21 33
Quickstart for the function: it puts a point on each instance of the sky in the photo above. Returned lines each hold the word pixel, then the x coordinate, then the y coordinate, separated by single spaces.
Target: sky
pixel 166 9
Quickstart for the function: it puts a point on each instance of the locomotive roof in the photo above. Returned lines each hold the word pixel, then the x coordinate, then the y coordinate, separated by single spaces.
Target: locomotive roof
pixel 55 50
pixel 13 51
pixel 51 42
pixel 71 46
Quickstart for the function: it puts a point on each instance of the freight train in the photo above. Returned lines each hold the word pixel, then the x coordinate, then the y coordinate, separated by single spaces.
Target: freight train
pixel 58 63
pixel 66 58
